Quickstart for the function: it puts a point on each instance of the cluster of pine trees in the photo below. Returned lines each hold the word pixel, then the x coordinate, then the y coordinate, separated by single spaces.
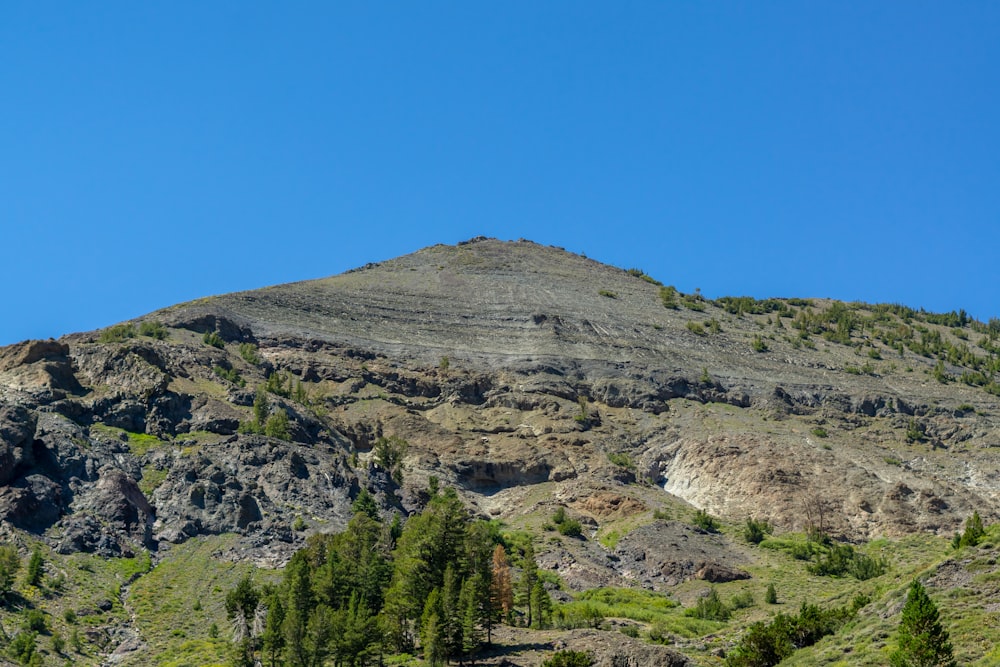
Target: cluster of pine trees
pixel 437 584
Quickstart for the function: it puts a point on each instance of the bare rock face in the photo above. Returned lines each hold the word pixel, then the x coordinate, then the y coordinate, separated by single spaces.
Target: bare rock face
pixel 514 377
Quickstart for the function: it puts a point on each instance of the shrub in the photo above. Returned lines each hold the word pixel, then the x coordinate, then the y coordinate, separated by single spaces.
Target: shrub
pixel 230 375
pixel 754 531
pixel 117 333
pixel 696 328
pixel 709 608
pixel 820 432
pixel 705 521
pixel 570 528
pixel 608 293
pixel 214 339
pixel 389 453
pixel 276 425
pixel 622 460
pixel 974 532
pixel 153 329
pixel 771 595
pixel 668 295
pixel 758 344
pixel 741 601
pixel 34 621
pixel 569 659
pixel 915 432
pixel 22 648
pixel 250 353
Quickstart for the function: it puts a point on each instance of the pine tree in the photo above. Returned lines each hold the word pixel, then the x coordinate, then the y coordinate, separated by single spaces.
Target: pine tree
pixel 10 563
pixel 923 642
pixel 35 563
pixel 432 638
pixel 529 577
pixel 974 531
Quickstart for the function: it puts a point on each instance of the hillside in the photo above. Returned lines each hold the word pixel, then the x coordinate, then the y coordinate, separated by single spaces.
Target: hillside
pixel 528 379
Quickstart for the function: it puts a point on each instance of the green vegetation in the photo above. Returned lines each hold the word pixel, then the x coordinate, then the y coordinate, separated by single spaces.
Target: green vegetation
pixel 10 563
pixel 640 274
pixel 607 293
pixel 230 375
pixel 389 453
pixel 973 533
pixel 758 344
pixel 622 460
pixel 274 424
pixel 922 641
pixel 710 608
pixel 366 592
pixel 840 559
pixel 565 525
pixel 250 354
pixel 213 339
pixel 33 576
pixel 118 333
pixel 820 432
pixel 696 328
pixel 705 521
pixel 569 659
pixel 767 644
pixel 755 531
pixel 668 296
pixel 153 329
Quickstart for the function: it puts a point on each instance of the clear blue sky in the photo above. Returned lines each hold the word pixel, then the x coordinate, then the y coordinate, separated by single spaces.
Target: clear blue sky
pixel 157 152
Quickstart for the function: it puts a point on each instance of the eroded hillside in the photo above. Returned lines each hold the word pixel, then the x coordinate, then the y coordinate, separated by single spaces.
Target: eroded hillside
pixel 527 378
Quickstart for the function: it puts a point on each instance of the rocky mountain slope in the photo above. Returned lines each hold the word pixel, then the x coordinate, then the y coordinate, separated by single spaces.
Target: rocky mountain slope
pixel 526 377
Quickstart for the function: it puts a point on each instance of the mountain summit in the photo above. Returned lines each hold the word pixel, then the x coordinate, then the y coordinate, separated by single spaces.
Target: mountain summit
pixel 525 377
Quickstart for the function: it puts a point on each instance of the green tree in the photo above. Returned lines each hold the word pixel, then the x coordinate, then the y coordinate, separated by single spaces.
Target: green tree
pixel 33 576
pixel 241 609
pixel 974 531
pixel 389 453
pixel 569 659
pixel 10 563
pixel 771 595
pixel 276 425
pixel 923 641
pixel 529 577
pixel 432 634
pixel 755 531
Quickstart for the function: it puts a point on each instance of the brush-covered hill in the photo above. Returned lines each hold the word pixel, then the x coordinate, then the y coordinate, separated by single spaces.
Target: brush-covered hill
pixel 219 434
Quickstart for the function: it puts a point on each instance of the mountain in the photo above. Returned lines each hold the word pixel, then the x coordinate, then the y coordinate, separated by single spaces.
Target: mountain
pixel 527 378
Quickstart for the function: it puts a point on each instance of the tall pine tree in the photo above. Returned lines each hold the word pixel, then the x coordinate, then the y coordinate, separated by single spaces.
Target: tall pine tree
pixel 923 642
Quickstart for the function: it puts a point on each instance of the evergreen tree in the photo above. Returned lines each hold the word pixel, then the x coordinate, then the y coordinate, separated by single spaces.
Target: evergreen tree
pixel 923 642
pixel 33 576
pixel 529 577
pixel 241 609
pixel 432 635
pixel 974 531
pixel 10 563
pixel 298 609
pixel 273 639
pixel 542 604
pixel 470 616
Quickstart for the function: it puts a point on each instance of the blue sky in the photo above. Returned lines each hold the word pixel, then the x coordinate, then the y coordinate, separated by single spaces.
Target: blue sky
pixel 153 153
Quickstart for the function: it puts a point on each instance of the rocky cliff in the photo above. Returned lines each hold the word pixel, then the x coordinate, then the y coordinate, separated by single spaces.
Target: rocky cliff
pixel 524 376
